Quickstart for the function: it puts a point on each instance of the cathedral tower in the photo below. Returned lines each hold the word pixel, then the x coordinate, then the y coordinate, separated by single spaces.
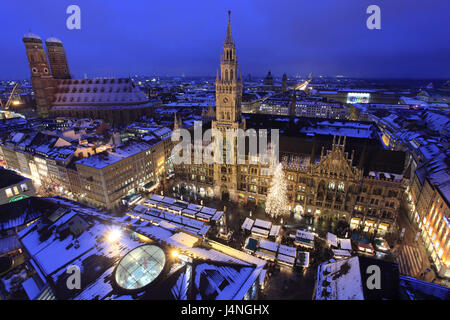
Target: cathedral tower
pixel 41 79
pixel 57 59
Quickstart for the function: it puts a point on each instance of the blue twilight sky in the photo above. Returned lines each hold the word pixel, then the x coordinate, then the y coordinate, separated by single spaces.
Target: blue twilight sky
pixel 171 37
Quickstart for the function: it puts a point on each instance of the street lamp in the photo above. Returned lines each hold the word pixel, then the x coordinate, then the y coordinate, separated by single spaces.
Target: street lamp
pixel 113 235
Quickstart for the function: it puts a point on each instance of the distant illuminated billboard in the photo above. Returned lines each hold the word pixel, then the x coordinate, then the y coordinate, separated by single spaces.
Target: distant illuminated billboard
pixel 356 97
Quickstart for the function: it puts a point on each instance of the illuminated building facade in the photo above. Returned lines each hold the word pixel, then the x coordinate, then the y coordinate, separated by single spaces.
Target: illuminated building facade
pixel 334 185
pixel 430 212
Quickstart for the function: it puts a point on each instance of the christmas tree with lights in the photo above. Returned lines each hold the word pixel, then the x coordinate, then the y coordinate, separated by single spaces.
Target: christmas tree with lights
pixel 276 202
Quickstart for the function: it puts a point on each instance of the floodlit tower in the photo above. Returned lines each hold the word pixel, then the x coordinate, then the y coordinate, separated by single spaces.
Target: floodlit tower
pixel 228 82
pixel 41 79
pixel 228 115
pixel 57 58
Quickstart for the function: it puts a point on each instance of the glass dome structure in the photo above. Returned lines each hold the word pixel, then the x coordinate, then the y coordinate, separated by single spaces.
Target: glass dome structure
pixel 140 267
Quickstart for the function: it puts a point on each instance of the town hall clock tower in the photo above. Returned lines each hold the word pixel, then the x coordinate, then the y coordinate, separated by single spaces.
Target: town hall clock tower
pixel 228 115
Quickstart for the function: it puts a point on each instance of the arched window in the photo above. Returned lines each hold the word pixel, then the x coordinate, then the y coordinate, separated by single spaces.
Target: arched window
pixel 231 74
pixel 226 75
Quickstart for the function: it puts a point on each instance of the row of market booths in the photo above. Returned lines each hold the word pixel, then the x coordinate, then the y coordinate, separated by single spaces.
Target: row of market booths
pixel 341 247
pixel 170 212
pixel 261 228
pixel 272 251
pixel 263 242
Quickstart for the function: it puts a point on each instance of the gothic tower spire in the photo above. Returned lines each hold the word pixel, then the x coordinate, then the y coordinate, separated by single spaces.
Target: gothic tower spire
pixel 229 38
pixel 227 116
pixel 228 82
pixel 175 122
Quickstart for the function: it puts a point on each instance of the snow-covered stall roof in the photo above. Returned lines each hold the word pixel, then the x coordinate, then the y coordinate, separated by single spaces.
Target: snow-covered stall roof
pixel 188 212
pixel 208 211
pixel 260 232
pixel 304 238
pixel 345 244
pixel 275 231
pixel 287 251
pixel 156 197
pixel 263 224
pixel 304 235
pixel 217 216
pixel 248 224
pixel 268 245
pixel 341 253
pixel 332 239
pixel 286 259
pixel 194 207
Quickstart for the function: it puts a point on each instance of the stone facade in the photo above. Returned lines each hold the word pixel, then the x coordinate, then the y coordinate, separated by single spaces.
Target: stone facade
pixel 332 187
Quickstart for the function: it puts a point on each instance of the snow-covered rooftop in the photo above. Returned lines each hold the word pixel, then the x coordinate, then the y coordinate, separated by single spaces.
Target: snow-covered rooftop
pixel 342 282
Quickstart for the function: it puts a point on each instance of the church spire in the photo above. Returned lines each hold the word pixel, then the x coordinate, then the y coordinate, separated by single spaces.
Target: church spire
pixel 175 122
pixel 229 38
pixel 228 82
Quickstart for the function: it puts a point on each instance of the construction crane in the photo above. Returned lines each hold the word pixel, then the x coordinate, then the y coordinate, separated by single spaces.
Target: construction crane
pixel 8 102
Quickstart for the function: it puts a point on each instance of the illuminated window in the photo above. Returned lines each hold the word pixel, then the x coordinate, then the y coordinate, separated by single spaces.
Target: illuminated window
pixel 9 193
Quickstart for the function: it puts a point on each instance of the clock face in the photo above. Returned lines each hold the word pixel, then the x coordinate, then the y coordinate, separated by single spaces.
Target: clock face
pixel 225 99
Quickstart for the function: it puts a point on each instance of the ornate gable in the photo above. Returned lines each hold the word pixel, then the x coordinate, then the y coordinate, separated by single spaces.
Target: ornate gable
pixel 336 162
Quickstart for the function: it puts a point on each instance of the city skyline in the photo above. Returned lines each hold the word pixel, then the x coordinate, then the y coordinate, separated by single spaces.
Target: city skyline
pixel 127 188
pixel 184 40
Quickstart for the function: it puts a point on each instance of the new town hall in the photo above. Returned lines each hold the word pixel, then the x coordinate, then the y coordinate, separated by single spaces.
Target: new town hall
pixel 334 169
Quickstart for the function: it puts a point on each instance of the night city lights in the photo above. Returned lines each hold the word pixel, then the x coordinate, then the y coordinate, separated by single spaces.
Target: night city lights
pixel 231 150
